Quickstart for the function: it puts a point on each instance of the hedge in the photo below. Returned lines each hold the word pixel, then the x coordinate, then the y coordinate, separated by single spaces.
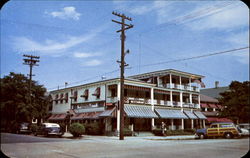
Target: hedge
pixel 76 129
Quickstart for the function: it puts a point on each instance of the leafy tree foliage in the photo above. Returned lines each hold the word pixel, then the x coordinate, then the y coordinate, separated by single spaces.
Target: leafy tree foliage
pixel 16 106
pixel 236 101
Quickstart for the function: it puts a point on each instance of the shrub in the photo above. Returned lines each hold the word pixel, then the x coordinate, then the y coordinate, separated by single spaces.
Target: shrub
pixel 157 132
pixel 127 132
pixel 77 129
pixel 93 129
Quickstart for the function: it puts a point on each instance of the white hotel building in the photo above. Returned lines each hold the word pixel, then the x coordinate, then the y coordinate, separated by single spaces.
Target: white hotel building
pixel 169 96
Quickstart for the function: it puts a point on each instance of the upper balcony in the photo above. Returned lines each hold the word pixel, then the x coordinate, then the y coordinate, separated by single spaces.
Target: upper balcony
pixel 145 101
pixel 180 87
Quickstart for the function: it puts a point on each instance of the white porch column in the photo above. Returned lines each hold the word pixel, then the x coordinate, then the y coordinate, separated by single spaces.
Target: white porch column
pixel 158 81
pixel 171 98
pixel 152 105
pixel 204 125
pixel 190 98
pixel 170 80
pixel 192 121
pixel 172 124
pixel 181 99
pixel 182 123
pixel 118 111
pixel 199 101
pixel 192 124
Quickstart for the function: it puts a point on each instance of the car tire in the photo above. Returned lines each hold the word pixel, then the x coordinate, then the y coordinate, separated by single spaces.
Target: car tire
pixel 201 136
pixel 228 135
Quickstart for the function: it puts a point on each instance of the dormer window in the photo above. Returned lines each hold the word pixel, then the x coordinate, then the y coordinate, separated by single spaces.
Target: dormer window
pixel 61 98
pixel 97 92
pixel 74 96
pixel 85 94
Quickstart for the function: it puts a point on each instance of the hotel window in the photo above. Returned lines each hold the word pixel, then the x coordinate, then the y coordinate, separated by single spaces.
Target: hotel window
pixel 97 92
pixel 56 99
pixel 61 98
pixel 66 97
pixel 85 94
pixel 113 92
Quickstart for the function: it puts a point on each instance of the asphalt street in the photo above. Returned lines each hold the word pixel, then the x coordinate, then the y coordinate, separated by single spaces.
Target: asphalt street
pixel 111 147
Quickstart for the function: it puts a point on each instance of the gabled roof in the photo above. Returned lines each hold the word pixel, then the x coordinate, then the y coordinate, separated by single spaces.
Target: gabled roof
pixel 214 92
pixel 205 98
pixel 165 72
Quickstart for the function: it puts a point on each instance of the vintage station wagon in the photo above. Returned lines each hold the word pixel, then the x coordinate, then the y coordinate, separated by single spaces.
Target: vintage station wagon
pixel 227 130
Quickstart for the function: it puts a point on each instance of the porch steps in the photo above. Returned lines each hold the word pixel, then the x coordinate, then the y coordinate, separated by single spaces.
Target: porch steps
pixel 143 134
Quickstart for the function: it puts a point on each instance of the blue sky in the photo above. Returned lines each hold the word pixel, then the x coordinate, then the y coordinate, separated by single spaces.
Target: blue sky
pixel 77 41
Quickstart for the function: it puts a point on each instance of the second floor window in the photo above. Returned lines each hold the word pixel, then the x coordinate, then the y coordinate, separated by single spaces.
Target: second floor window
pixel 85 94
pixel 97 92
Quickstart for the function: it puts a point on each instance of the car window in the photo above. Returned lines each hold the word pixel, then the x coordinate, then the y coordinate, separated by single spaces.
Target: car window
pixel 213 126
pixel 226 125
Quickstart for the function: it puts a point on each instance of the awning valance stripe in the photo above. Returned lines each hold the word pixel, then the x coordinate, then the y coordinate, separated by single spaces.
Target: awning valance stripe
pixel 107 113
pixel 139 111
pixel 57 117
pixel 87 115
pixel 200 115
pixel 171 114
pixel 190 114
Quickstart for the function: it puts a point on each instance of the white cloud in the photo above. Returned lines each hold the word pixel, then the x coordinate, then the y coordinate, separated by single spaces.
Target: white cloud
pixel 226 19
pixel 53 46
pixel 84 55
pixel 93 62
pixel 239 39
pixel 66 13
pixel 25 44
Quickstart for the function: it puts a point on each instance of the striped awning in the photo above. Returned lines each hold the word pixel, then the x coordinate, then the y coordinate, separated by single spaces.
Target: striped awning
pixel 86 115
pixel 200 115
pixel 139 111
pixel 190 114
pixel 107 113
pixel 57 117
pixel 171 114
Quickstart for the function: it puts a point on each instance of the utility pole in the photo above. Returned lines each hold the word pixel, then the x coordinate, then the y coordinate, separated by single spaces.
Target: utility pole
pixel 31 61
pixel 124 27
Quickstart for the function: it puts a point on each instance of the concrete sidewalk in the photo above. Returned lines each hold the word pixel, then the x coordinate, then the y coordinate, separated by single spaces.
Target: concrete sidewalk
pixel 179 137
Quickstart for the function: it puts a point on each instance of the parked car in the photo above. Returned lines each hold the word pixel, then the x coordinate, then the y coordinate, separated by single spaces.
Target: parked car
pixel 245 126
pixel 227 130
pixel 24 128
pixel 243 131
pixel 48 129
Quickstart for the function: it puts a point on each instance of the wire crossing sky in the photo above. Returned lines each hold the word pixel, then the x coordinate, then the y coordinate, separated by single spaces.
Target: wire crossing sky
pixel 77 41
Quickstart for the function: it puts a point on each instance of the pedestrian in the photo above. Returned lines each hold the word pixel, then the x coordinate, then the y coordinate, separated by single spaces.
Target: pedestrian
pixel 163 128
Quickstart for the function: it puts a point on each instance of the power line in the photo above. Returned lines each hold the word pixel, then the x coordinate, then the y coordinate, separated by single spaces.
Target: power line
pixel 195 57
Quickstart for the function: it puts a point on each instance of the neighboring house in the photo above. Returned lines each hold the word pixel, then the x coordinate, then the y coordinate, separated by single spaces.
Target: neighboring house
pixel 210 107
pixel 169 96
pixel 214 92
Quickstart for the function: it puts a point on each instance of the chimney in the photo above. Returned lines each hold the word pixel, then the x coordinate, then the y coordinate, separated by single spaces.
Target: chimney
pixel 216 84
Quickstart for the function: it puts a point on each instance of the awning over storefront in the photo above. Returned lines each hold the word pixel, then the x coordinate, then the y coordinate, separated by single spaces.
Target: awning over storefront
pixel 139 111
pixel 171 114
pixel 200 115
pixel 108 113
pixel 213 106
pixel 204 105
pixel 57 117
pixel 190 114
pixel 215 119
pixel 86 115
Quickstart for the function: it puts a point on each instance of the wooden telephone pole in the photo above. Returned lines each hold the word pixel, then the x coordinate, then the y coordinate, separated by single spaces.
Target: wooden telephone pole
pixel 31 61
pixel 124 27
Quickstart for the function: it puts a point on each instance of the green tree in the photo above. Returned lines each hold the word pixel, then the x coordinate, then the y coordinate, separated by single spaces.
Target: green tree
pixel 236 101
pixel 15 101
